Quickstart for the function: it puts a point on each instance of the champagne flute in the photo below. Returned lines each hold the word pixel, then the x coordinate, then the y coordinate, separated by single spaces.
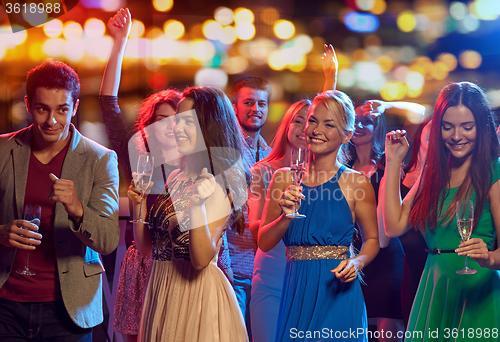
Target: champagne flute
pixel 298 161
pixel 145 166
pixel 33 214
pixel 465 222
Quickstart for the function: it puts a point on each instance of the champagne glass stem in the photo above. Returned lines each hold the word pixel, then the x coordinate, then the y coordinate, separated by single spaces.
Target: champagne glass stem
pixel 140 207
pixel 466 265
pixel 27 258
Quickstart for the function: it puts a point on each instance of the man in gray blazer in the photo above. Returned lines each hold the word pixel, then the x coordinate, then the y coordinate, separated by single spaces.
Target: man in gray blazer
pixel 75 181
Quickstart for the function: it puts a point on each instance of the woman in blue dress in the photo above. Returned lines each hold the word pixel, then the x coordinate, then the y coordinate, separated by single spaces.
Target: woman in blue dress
pixel 322 298
pixel 462 164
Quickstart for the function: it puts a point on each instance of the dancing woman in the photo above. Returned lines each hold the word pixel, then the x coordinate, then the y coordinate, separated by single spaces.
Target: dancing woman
pixel 320 280
pixel 462 164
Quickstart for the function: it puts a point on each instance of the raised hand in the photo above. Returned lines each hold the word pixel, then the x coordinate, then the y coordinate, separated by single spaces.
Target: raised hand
pixel 64 191
pixel 20 234
pixel 205 188
pixel 374 108
pixel 329 62
pixel 396 146
pixel 289 197
pixel 119 25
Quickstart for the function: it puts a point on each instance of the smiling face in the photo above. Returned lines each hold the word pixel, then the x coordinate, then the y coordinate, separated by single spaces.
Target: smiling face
pixel 322 134
pixel 458 131
pixel 251 108
pixel 365 126
pixel 163 126
pixel 296 135
pixel 51 112
pixel 187 130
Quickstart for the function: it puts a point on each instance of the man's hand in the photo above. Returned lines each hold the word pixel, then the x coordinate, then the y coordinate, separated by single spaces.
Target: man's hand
pixel 64 191
pixel 20 234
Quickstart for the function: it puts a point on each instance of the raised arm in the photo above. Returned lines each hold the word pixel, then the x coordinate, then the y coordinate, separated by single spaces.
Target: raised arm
pixel 280 201
pixel 413 111
pixel 330 68
pixel 119 27
pixel 395 211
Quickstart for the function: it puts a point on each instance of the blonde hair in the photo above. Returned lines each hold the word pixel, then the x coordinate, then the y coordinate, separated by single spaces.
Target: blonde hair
pixel 342 109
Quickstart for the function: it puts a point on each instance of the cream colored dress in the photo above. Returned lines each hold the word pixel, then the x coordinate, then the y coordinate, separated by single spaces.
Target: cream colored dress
pixel 182 304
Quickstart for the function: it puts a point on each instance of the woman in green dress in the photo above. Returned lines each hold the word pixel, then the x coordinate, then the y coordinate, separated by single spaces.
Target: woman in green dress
pixel 462 163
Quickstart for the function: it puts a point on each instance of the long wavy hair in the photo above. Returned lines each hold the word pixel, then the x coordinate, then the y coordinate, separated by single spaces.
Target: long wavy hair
pixel 280 140
pixel 146 116
pixel 428 204
pixel 378 145
pixel 224 144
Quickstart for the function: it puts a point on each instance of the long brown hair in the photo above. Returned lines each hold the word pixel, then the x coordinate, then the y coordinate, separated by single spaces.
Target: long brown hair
pixel 434 186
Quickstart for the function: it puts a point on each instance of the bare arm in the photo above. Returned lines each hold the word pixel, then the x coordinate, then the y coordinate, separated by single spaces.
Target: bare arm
pixel 280 201
pixel 396 213
pixel 476 248
pixel 413 111
pixel 365 211
pixel 383 239
pixel 209 209
pixel 330 68
pixel 256 199
pixel 119 27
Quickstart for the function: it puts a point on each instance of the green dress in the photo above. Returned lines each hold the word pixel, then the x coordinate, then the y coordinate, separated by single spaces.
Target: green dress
pixel 450 306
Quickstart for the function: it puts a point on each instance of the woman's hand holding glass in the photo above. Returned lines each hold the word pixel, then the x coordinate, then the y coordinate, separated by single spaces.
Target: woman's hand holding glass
pixel 290 200
pixel 477 250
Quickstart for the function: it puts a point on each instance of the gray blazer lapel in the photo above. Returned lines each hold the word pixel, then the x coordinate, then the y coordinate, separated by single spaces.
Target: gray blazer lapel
pixel 21 157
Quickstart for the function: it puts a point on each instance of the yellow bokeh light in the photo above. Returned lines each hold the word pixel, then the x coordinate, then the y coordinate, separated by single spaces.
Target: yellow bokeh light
pixel 284 29
pixel 154 32
pixel 379 7
pixel 228 35
pixel 72 30
pixel 137 30
pixel 414 80
pixel 276 61
pixel 269 15
pixel 414 93
pixel 54 47
pixel 385 63
pixel 173 29
pixel 163 5
pixel 34 52
pixel 212 29
pixel 53 28
pixel 245 31
pixel 449 60
pixel 343 60
pixel 406 21
pixel 235 65
pixel 224 15
pixel 74 50
pixel 94 28
pixel 393 91
pixel 439 71
pixel 201 50
pixel 242 15
pixel 299 65
pixel 470 59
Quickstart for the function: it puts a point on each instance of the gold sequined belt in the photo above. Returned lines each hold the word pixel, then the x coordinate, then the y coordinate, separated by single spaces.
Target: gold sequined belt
pixel 316 252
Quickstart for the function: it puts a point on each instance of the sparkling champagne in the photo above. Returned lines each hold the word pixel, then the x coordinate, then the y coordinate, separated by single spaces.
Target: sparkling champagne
pixel 465 228
pixel 297 174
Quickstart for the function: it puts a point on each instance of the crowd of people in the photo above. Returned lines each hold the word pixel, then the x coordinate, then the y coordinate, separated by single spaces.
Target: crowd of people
pixel 217 255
